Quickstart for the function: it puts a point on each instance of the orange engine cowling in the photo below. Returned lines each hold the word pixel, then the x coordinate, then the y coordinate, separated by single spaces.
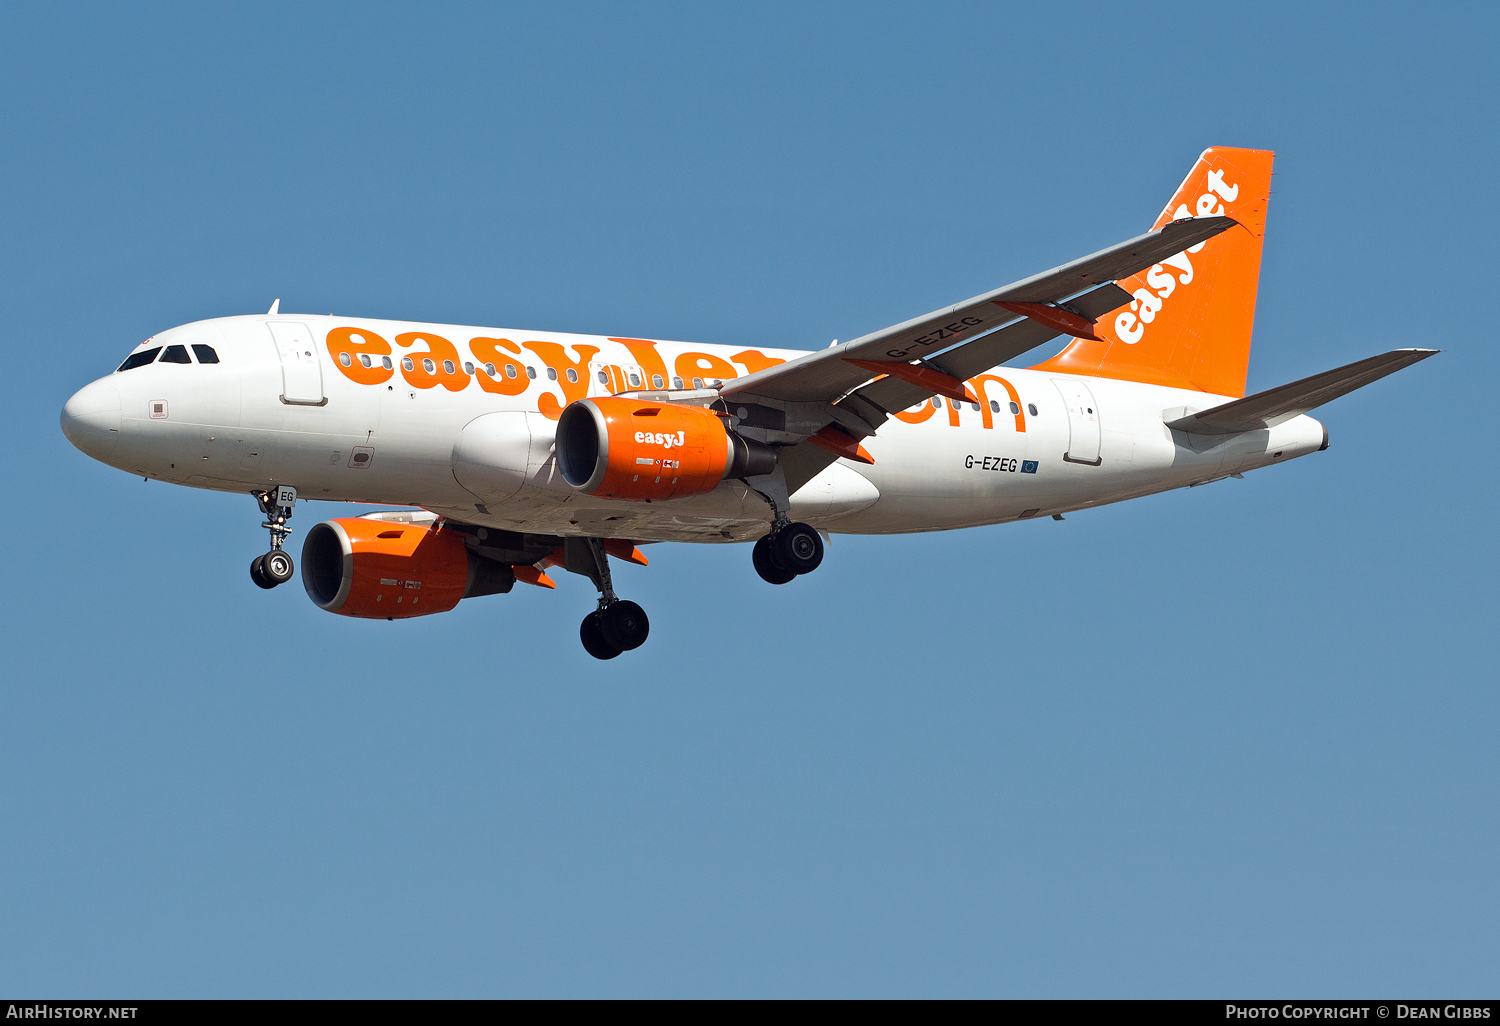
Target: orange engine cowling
pixel 635 449
pixel 385 570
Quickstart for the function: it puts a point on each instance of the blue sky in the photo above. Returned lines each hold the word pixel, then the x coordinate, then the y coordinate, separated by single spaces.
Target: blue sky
pixel 1238 740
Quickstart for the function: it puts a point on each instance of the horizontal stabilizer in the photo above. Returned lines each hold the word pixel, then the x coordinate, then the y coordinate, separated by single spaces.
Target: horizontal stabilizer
pixel 1282 403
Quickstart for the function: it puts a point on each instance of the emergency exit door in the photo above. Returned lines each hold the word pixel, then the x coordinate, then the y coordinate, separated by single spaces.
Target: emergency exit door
pixel 1083 422
pixel 301 375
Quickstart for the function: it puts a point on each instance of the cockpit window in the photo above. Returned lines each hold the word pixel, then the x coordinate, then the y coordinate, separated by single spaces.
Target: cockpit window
pixel 176 354
pixel 205 354
pixel 135 360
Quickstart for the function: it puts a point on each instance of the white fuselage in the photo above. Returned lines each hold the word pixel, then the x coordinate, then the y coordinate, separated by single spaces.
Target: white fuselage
pixel 266 415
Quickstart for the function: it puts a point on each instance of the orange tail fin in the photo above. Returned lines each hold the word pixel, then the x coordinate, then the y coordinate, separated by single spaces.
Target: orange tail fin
pixel 1190 324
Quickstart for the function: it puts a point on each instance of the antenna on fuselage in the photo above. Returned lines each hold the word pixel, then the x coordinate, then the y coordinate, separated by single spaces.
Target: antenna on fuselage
pixel 275 306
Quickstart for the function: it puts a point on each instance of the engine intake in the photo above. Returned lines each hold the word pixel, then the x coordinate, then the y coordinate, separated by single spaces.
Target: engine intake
pixel 384 570
pixel 638 450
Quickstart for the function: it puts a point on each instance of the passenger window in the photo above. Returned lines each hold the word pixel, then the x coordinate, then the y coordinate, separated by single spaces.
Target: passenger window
pixel 205 354
pixel 995 407
pixel 937 404
pixel 635 381
pixel 406 364
pixel 697 382
pixel 447 366
pixel 468 367
pixel 551 373
pixel 572 375
pixel 385 361
pixel 489 369
pixel 1015 409
pixel 657 382
pixel 974 407
pixel 1031 408
pixel 176 354
pixel 531 373
pixel 139 359
pixel 429 366
pixel 344 359
pixel 676 382
pixel 510 370
pixel 603 377
pixel 364 359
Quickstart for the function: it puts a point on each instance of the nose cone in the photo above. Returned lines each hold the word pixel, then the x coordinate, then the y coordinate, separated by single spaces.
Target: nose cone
pixel 91 419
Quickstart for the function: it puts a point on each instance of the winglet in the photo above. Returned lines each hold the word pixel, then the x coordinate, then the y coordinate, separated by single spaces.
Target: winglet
pixel 275 306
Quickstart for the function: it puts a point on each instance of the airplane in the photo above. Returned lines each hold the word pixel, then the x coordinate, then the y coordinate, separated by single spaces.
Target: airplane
pixel 520 451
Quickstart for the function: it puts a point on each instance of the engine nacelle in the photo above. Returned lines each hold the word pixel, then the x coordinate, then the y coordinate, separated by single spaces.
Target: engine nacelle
pixel 390 570
pixel 638 450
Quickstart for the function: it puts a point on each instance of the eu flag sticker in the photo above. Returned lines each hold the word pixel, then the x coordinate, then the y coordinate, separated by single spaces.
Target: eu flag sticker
pixel 1028 466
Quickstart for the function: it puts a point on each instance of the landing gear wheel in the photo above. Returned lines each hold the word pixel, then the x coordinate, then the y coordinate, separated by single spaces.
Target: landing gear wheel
pixel 258 575
pixel 797 549
pixel 593 639
pixel 765 566
pixel 277 567
pixel 624 625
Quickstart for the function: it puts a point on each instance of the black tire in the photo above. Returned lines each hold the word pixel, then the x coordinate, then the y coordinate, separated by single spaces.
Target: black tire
pixel 765 566
pixel 258 575
pixel 797 548
pixel 624 625
pixel 593 639
pixel 277 566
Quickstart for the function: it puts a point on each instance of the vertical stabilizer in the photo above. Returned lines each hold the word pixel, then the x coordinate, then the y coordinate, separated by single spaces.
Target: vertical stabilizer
pixel 1190 323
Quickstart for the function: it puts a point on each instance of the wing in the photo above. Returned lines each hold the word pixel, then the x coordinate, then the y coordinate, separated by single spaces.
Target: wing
pixel 788 404
pixel 826 375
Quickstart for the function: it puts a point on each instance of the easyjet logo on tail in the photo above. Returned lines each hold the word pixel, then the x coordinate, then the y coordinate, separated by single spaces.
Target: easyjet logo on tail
pixel 1130 324
pixel 1195 310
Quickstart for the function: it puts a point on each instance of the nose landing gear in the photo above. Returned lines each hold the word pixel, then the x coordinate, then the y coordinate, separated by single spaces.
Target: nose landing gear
pixel 271 569
pixel 275 567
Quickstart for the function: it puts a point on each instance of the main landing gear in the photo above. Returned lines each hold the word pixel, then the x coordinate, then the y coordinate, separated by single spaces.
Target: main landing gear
pixel 618 625
pixel 275 567
pixel 789 551
pixel 613 628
